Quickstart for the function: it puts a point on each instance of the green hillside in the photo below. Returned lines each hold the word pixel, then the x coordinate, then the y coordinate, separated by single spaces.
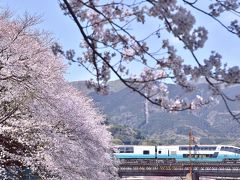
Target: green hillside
pixel 210 125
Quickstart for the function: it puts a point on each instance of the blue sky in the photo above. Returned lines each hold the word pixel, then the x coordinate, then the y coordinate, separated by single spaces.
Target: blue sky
pixel 53 20
pixel 66 33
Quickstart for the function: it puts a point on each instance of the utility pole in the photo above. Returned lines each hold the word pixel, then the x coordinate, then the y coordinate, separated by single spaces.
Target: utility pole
pixel 190 151
pixel 191 145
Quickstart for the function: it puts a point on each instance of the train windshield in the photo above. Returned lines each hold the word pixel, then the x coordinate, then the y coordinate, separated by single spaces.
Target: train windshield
pixel 230 149
pixel 125 149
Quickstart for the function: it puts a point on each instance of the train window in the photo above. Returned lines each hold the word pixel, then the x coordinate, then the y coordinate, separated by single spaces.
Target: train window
pixel 129 150
pixel 209 155
pixel 234 150
pixel 215 155
pixel 230 149
pixel 212 148
pixel 183 148
pixel 121 149
pixel 159 152
pixel 196 147
pixel 195 156
pixel 146 152
pixel 202 148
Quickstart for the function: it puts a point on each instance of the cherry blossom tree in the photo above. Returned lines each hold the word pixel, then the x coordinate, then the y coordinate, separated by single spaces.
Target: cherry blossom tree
pixel 113 45
pixel 46 126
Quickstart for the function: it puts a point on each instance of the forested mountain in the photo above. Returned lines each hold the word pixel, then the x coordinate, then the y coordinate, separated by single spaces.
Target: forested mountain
pixel 210 125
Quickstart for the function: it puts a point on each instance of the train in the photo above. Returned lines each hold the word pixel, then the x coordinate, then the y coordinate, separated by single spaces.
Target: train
pixel 179 153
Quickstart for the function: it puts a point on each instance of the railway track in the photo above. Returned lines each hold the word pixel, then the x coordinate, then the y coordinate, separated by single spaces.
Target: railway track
pixel 159 168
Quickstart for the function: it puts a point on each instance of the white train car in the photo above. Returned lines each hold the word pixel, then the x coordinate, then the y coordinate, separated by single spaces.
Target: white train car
pixel 185 152
pixel 196 153
pixel 135 152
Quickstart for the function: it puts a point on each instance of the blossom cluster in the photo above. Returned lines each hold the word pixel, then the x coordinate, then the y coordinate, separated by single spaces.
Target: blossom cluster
pixel 113 43
pixel 46 125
